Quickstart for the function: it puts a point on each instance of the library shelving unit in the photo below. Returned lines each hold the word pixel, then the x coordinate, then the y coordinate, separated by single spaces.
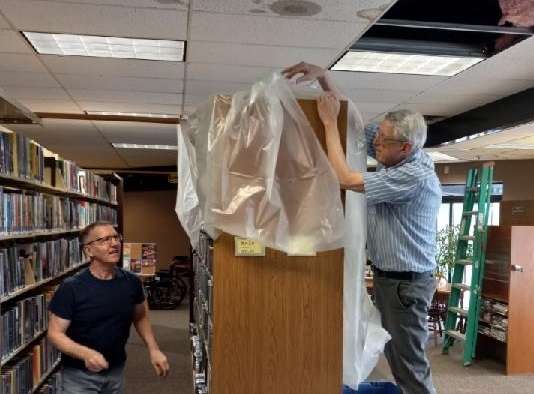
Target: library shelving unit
pixel 271 323
pixel 44 204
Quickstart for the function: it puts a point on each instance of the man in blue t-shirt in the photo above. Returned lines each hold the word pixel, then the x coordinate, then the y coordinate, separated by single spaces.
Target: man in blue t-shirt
pixel 91 314
pixel 403 197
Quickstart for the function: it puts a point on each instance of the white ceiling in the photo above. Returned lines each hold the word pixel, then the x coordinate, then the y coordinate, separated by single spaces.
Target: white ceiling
pixel 230 44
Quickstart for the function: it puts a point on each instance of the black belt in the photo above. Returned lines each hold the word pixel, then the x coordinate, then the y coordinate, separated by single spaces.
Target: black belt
pixel 402 275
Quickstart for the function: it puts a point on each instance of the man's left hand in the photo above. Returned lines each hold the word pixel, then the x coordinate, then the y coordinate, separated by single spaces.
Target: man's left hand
pixel 328 108
pixel 159 362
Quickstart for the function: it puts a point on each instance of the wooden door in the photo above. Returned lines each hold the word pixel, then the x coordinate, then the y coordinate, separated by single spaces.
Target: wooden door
pixel 520 351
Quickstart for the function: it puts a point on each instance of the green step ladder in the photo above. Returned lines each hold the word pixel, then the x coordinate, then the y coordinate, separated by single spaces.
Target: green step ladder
pixel 478 190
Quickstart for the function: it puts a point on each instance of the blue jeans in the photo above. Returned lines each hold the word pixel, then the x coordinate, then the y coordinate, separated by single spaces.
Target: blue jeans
pixel 77 381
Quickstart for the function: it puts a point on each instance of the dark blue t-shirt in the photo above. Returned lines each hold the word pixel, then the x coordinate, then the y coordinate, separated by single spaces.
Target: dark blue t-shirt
pixel 100 312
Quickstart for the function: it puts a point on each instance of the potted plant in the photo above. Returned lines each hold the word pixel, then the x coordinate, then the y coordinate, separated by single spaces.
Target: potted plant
pixel 447 239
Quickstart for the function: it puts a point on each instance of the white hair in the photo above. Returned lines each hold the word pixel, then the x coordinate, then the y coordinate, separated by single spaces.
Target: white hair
pixel 408 125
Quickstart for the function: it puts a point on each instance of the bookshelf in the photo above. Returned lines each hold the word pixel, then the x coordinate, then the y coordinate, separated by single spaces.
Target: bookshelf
pixel 44 204
pixel 47 374
pixel 270 323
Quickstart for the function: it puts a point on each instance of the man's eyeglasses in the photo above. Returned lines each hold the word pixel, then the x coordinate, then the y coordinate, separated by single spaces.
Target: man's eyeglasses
pixel 106 240
pixel 379 140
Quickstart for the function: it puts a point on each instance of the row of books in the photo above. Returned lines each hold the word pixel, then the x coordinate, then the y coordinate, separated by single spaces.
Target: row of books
pixel 22 322
pixel 26 264
pixel 26 211
pixel 95 186
pixel 26 372
pixel 21 157
pixel 66 175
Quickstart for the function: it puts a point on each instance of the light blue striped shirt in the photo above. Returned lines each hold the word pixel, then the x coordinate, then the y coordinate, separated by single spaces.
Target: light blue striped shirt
pixel 402 203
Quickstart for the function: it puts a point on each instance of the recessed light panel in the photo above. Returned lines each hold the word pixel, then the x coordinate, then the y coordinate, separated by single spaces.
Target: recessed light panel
pixel 402 63
pixel 110 47
pixel 137 146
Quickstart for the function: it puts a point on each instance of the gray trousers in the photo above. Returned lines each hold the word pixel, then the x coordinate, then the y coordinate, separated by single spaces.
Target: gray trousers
pixel 77 381
pixel 403 307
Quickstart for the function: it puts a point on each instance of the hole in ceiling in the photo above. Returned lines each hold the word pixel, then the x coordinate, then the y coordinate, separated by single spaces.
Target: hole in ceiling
pixel 295 8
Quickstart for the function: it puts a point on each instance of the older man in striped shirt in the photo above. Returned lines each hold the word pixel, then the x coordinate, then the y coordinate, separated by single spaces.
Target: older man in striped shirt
pixel 403 198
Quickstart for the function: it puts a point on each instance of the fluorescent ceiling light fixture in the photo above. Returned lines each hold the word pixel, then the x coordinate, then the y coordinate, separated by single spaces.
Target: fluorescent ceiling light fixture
pixel 403 63
pixel 137 146
pixel 135 114
pixel 471 137
pixel 438 156
pixel 511 146
pixel 110 47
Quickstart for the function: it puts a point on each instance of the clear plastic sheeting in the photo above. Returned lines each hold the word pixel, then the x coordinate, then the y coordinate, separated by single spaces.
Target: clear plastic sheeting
pixel 263 173
pixel 250 165
pixel 363 335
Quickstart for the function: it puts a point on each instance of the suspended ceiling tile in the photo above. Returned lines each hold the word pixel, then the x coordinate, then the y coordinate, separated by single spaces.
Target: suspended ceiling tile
pixel 98 157
pixel 261 30
pixel 208 88
pixel 165 4
pixel 379 95
pixel 13 42
pixel 505 66
pixel 78 65
pixel 49 105
pixel 465 99
pixel 341 10
pixel 479 83
pixel 27 79
pixel 521 51
pixel 155 85
pixel 138 133
pixel 256 55
pixel 3 23
pixel 98 19
pixel 133 97
pixel 21 63
pixel 436 109
pixel 376 108
pixel 36 93
pixel 130 107
pixel 222 72
pixel 404 82
pixel 148 157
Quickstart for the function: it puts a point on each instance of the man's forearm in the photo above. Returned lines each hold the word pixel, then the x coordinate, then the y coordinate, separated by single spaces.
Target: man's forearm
pixel 348 179
pixel 144 329
pixel 67 346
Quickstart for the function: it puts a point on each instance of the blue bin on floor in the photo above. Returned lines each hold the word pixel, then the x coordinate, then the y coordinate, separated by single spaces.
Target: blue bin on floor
pixel 373 388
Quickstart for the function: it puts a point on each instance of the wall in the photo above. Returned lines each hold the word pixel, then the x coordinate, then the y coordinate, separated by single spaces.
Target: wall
pixel 516 175
pixel 149 217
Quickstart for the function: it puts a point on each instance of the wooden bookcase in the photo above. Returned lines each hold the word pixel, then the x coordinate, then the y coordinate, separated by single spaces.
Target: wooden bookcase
pixel 7 301
pixel 508 278
pixel 271 324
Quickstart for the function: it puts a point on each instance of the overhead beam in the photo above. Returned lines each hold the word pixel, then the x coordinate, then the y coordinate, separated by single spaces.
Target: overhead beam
pixel 108 118
pixel 507 112
pixel 455 27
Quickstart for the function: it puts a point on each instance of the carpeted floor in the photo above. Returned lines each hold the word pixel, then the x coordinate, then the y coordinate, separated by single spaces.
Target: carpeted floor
pixel 171 328
pixel 172 334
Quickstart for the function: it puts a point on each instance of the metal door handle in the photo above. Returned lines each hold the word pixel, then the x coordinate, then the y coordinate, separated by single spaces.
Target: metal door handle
pixel 517 268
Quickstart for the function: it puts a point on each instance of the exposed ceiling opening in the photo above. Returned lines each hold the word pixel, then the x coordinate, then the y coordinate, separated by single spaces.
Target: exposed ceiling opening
pixel 477 23
pixel 449 37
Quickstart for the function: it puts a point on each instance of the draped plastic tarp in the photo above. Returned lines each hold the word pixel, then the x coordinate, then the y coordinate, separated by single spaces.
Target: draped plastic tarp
pixel 250 165
pixel 263 173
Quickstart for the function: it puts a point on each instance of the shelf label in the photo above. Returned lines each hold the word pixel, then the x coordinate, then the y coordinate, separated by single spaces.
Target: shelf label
pixel 248 248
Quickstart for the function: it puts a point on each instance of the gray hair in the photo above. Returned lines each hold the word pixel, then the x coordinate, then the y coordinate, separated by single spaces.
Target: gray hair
pixel 408 125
